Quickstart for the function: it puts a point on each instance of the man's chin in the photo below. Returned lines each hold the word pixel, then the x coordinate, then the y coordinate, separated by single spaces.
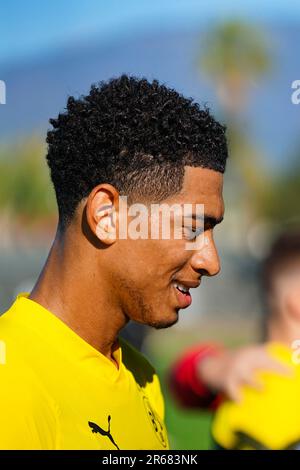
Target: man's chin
pixel 164 323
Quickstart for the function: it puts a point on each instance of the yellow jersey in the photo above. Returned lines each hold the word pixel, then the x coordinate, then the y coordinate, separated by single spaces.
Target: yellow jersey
pixel 58 392
pixel 266 419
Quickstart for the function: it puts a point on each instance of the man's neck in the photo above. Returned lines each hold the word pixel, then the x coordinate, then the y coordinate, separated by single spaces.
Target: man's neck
pixel 71 289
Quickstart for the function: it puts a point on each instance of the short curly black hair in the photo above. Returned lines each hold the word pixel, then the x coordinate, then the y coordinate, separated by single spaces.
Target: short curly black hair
pixel 133 134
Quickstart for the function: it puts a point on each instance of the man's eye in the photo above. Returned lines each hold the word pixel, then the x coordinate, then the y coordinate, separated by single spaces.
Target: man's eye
pixel 192 233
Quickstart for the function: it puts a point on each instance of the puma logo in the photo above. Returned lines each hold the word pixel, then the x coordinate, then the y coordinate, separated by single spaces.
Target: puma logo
pixel 95 428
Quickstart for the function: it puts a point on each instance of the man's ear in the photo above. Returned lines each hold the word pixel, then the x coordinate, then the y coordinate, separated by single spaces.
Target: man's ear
pixel 101 212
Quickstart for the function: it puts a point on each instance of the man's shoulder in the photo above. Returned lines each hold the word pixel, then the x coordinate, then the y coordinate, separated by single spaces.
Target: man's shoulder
pixel 28 416
pixel 12 336
pixel 16 338
pixel 24 398
pixel 19 351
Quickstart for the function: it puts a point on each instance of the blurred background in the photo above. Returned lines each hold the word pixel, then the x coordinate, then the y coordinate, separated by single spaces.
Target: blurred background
pixel 239 58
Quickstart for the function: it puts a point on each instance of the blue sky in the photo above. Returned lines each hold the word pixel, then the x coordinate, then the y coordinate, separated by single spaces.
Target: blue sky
pixel 30 27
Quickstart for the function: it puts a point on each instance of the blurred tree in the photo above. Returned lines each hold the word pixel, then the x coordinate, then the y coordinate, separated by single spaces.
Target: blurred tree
pixel 234 56
pixel 281 203
pixel 25 190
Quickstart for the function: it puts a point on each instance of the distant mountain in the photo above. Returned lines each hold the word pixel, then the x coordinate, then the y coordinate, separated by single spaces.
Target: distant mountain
pixel 38 89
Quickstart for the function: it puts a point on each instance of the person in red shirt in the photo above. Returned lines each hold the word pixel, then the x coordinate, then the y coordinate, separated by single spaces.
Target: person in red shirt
pixel 207 373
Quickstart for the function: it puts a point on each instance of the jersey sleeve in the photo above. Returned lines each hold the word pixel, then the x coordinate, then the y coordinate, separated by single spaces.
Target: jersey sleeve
pixel 185 383
pixel 27 418
pixel 267 418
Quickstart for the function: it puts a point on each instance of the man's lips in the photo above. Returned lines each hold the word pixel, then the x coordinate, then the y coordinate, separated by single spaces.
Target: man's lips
pixel 188 284
pixel 182 292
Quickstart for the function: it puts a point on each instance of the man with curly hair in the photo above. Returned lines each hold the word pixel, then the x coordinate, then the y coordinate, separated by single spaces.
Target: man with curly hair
pixel 70 381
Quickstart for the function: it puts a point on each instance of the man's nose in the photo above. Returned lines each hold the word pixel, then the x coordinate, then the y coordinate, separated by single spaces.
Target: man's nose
pixel 206 258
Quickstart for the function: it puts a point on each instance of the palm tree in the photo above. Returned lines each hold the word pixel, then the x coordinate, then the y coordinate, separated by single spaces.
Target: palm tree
pixel 234 56
pixel 25 190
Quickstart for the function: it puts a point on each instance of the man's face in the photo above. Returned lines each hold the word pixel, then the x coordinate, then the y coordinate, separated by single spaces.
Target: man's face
pixel 152 274
pixel 286 288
